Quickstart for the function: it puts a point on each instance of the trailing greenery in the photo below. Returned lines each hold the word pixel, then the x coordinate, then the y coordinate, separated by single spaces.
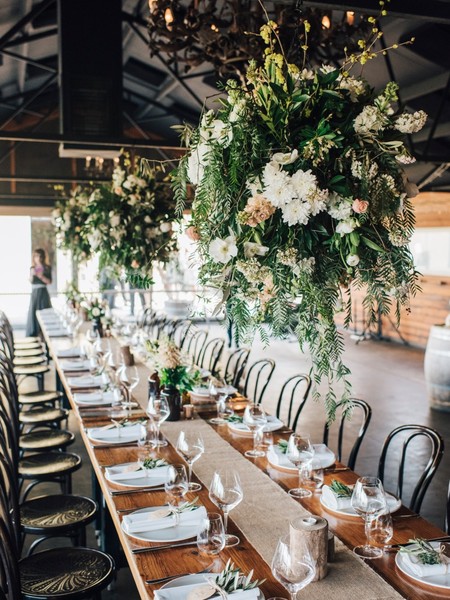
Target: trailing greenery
pixel 301 197
pixel 69 217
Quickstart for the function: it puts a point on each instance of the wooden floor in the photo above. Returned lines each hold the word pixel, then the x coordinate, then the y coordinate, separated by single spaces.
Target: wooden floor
pixel 389 376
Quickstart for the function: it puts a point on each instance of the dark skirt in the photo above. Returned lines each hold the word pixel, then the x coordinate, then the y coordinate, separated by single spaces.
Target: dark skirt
pixel 40 299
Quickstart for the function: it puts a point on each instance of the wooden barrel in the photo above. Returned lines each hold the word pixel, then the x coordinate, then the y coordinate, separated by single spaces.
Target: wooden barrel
pixel 437 368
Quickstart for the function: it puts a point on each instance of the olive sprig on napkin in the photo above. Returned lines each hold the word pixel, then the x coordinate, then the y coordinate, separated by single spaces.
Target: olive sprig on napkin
pixel 340 489
pixel 424 552
pixel 232 580
pixel 154 463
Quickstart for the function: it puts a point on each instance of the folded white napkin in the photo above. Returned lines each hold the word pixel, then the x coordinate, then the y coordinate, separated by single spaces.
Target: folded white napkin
pixel 331 500
pixel 162 519
pixel 75 365
pixel 86 381
pixel 272 425
pixel 110 432
pixel 200 390
pixel 277 457
pixel 134 471
pixel 425 570
pixel 93 397
pixel 68 352
pixel 187 592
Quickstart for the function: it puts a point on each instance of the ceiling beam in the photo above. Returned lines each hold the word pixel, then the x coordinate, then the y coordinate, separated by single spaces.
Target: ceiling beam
pixel 32 37
pixel 17 27
pixel 431 10
pixel 55 138
pixel 28 60
pixel 51 179
pixel 425 87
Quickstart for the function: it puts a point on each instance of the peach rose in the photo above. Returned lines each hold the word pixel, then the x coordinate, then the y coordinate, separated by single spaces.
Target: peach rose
pixel 360 206
pixel 192 233
pixel 135 264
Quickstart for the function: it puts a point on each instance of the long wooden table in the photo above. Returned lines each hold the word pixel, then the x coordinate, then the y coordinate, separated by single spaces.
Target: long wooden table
pixel 151 565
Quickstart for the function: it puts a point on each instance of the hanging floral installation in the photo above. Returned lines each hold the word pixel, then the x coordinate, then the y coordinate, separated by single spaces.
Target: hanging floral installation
pixel 300 196
pixel 69 217
pixel 130 221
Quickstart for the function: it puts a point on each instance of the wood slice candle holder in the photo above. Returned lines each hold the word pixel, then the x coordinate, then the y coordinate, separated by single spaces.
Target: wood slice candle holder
pixel 311 532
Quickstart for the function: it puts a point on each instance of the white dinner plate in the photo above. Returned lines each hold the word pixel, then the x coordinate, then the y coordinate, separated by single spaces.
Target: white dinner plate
pixel 438 581
pixel 104 436
pixel 393 504
pixel 171 534
pixel 323 458
pixel 196 579
pixel 136 483
pixel 272 425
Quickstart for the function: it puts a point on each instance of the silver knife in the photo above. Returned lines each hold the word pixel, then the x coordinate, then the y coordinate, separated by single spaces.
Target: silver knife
pixel 169 577
pixel 166 547
pixel 139 491
pixel 122 445
pixel 444 538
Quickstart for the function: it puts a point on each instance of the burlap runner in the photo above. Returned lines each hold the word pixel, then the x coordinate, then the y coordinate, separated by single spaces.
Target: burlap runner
pixel 266 510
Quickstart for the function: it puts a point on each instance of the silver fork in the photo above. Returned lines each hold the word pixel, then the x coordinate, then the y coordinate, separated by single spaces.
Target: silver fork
pixel 169 577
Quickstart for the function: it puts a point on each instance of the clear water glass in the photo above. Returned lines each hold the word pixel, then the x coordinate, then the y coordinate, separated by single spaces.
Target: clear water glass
pixel 300 452
pixel 211 537
pixel 176 485
pixel 255 419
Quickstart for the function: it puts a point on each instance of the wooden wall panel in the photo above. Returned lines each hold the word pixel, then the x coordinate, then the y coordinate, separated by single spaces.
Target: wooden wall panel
pixel 430 307
pixel 432 209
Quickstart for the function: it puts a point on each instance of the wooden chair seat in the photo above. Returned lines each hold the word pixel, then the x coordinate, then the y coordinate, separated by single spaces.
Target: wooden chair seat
pixel 45 464
pixel 45 414
pixel 45 439
pixel 53 514
pixel 33 370
pixel 40 397
pixel 22 352
pixel 34 339
pixel 28 361
pixel 65 573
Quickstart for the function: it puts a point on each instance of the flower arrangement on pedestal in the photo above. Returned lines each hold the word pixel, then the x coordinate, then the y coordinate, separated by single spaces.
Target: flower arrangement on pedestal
pixel 300 194
pixel 129 222
pixel 69 217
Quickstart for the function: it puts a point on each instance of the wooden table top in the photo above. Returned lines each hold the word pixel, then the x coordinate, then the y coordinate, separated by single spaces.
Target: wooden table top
pixel 150 565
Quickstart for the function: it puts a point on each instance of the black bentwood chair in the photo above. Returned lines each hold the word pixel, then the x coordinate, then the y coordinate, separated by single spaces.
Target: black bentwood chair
pixel 294 395
pixel 235 366
pixel 364 412
pixel 257 379
pixel 210 356
pixel 404 436
pixel 447 513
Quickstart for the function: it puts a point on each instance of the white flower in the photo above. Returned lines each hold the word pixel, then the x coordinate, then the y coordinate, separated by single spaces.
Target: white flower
pixel 405 159
pixel 356 87
pixel 307 74
pixel 223 250
pixel 132 199
pixel 304 183
pixel 368 121
pixel 137 228
pixel 411 123
pixel 94 240
pixel 327 69
pixel 118 176
pixel 165 227
pixel 114 221
pixel 296 212
pixel 317 200
pixel 147 219
pixel 72 202
pixel 277 186
pixel 347 226
pixel 196 163
pixel 352 260
pixel 96 312
pixel 255 186
pixel 252 249
pixel 238 110
pixel 141 182
pixel 285 158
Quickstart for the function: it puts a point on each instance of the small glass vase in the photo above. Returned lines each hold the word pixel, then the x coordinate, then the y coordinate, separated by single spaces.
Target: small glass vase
pixel 173 398
pixel 97 325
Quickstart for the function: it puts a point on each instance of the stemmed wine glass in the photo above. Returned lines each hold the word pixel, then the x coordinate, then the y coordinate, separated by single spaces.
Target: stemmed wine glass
pixel 190 446
pixel 255 419
pixel 176 485
pixel 300 452
pixel 293 569
pixel 226 493
pixel 129 378
pixel 158 410
pixel 369 501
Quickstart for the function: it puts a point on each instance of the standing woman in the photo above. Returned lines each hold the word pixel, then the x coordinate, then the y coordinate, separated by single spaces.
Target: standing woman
pixel 40 277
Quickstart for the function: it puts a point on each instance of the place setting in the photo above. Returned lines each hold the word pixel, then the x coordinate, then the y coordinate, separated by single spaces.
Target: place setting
pixel 124 431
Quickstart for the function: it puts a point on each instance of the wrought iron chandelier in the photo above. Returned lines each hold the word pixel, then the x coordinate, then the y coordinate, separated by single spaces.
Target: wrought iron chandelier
pixel 222 32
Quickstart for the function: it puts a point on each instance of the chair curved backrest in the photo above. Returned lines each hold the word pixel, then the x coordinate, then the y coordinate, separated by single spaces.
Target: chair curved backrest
pixel 365 412
pixel 235 366
pixel 447 513
pixel 211 353
pixel 294 392
pixel 435 455
pixel 180 330
pixel 195 343
pixel 257 379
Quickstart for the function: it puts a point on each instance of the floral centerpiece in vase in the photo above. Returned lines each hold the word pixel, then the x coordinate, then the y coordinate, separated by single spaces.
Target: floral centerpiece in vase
pixel 96 312
pixel 176 376
pixel 69 217
pixel 300 196
pixel 130 221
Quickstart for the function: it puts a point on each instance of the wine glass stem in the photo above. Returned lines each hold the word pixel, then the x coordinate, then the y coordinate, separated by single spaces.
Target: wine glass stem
pixel 255 440
pixel 367 521
pixel 189 472
pixel 225 521
pixel 300 476
pixel 293 595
